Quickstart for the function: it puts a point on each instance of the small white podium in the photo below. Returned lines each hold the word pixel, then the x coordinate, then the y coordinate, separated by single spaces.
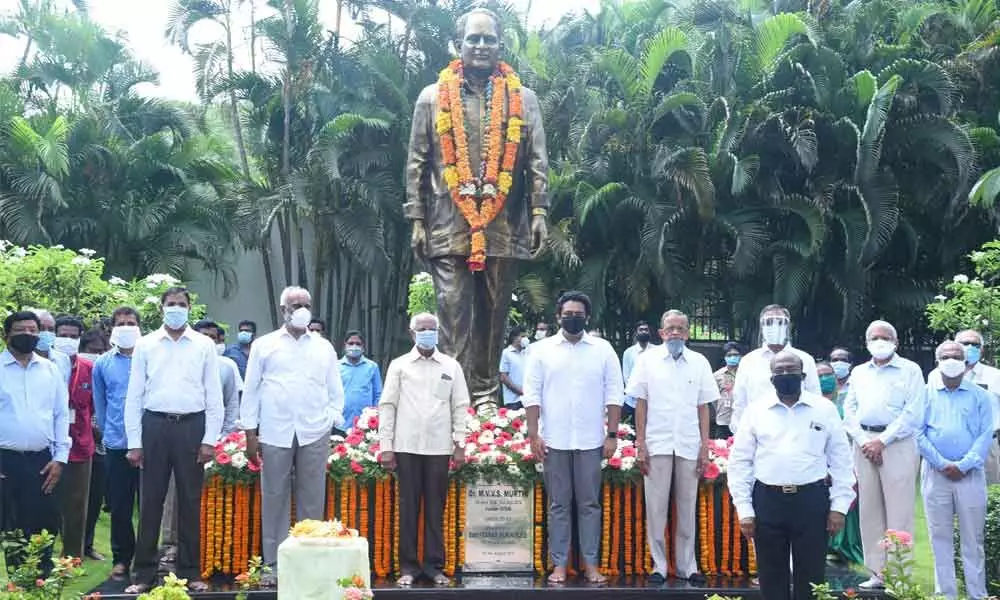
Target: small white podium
pixel 309 568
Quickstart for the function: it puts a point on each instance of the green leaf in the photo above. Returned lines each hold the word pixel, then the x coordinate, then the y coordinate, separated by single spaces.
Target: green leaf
pixel 986 190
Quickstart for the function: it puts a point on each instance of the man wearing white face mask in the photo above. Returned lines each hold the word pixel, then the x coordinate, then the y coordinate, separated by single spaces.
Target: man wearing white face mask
pixel 421 425
pixel 985 377
pixel 173 416
pixel 292 398
pixel 881 413
pixel 110 379
pixel 753 376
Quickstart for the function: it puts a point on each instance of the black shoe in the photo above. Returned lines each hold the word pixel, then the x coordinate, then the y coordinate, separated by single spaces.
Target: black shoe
pixel 696 579
pixel 655 580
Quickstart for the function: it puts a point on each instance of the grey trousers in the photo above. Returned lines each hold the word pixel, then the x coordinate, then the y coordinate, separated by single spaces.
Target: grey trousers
pixel 574 476
pixel 309 463
pixel 666 471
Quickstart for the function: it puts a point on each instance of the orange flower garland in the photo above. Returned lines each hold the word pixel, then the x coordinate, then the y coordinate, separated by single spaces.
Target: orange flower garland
pixel 217 526
pixel 363 516
pixel 328 513
pixel 256 549
pixel 395 528
pixel 606 528
pixel 203 523
pixel 378 548
pixel 461 521
pixel 343 502
pixel 639 539
pixel 738 551
pixel 726 526
pixel 629 526
pixel 539 560
pixel 479 201
pixel 703 532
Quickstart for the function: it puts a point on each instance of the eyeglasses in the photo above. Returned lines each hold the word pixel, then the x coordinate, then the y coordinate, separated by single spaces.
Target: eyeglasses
pixel 974 344
pixel 773 321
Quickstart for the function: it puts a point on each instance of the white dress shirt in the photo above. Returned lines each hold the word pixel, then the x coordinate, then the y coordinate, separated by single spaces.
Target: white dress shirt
pixel 982 375
pixel 232 385
pixel 424 405
pixel 753 379
pixel 673 389
pixel 174 376
pixel 573 384
pixel 34 407
pixel 887 396
pixel 796 445
pixel 292 389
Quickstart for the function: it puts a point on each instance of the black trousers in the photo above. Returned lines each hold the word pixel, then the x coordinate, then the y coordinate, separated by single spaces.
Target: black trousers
pixel 123 493
pixel 170 446
pixel 98 492
pixel 425 478
pixel 795 523
pixel 24 506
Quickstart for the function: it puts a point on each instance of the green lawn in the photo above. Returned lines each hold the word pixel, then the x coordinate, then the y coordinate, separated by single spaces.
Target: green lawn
pixel 923 569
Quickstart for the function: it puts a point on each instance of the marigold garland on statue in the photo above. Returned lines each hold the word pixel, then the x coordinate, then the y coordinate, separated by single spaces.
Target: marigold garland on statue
pixel 479 200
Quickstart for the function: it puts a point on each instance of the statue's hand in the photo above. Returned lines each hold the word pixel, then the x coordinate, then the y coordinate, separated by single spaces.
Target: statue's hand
pixel 539 231
pixel 418 240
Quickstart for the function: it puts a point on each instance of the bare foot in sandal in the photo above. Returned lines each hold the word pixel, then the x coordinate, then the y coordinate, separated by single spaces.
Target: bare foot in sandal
pixel 558 575
pixel 137 588
pixel 594 576
pixel 198 586
pixel 405 581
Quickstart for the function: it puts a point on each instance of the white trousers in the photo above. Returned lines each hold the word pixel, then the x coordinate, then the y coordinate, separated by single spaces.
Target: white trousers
pixel 943 500
pixel 993 464
pixel 664 470
pixel 887 495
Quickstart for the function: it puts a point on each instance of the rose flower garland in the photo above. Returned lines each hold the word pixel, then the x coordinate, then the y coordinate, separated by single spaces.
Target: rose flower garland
pixel 479 200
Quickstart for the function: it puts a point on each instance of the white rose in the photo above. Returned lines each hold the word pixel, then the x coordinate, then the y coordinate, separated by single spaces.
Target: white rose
pixel 209 465
pixel 472 424
pixel 539 467
pixel 513 470
pixel 371 435
pixel 627 463
pixel 501 422
pixel 960 279
pixel 231 447
pixel 519 437
pixel 604 463
pixel 486 437
pixel 239 460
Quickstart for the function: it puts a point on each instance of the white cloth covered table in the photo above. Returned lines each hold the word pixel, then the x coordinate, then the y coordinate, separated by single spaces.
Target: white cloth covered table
pixel 309 569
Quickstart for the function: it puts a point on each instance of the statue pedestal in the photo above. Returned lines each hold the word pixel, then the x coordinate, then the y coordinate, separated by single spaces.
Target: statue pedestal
pixel 499 536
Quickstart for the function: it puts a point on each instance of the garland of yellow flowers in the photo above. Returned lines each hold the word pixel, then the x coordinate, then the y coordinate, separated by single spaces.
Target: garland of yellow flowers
pixel 449 530
pixel 461 521
pixel 737 548
pixel 703 531
pixel 726 530
pixel 479 201
pixel 219 514
pixel 639 539
pixel 395 527
pixel 629 524
pixel 256 519
pixel 539 560
pixel 331 494
pixel 606 527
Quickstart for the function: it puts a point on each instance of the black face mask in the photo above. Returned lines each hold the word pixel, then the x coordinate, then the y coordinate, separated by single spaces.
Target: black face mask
pixel 23 343
pixel 573 325
pixel 642 338
pixel 789 384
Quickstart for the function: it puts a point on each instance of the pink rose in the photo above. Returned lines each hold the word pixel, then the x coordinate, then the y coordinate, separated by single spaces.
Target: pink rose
pixel 628 451
pixel 517 424
pixel 614 462
pixel 501 459
pixel 222 458
pixel 484 447
pixel 357 468
pixel 373 422
pixel 712 471
pixel 502 413
pixel 340 449
pixel 471 411
pixel 353 593
pixel 489 426
pixel 253 466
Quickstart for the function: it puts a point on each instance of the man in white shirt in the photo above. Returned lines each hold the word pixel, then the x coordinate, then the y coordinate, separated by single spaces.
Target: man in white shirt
pixel 572 379
pixel 753 377
pixel 629 358
pixel 673 386
pixel 229 374
pixel 881 412
pixel 173 416
pixel 422 415
pixel 788 443
pixel 512 368
pixel 47 341
pixel 292 398
pixel 987 378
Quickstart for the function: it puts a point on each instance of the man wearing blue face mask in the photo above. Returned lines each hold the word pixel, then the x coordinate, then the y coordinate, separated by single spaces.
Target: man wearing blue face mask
pixel 361 376
pixel 842 362
pixel 725 378
pixel 422 416
pixel 46 343
pixel 985 377
pixel 240 351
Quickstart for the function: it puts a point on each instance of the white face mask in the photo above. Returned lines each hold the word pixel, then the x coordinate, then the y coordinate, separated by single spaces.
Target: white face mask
pixel 540 334
pixel 299 318
pixel 67 346
pixel 524 342
pixel 88 356
pixel 881 349
pixel 952 367
pixel 125 336
pixel 220 349
pixel 775 334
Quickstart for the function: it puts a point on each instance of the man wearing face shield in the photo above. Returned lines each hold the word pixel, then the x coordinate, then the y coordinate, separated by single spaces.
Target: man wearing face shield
pixel 880 416
pixel 34 434
pixel 292 398
pixel 753 376
pixel 985 377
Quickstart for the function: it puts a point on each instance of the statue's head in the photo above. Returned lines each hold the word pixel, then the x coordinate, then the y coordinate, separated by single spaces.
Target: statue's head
pixel 479 40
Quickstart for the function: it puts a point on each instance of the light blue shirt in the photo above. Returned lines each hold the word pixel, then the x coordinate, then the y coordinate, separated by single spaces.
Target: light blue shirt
pixel 34 407
pixel 628 363
pixel 512 363
pixel 110 382
pixel 62 361
pixel 884 396
pixel 957 426
pixel 362 387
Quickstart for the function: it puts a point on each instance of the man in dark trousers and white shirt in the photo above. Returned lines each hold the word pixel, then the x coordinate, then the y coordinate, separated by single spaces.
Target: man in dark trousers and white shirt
pixel 173 417
pixel 785 447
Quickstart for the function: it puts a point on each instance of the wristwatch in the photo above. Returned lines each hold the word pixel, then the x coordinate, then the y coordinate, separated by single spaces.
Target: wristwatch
pixel 612 435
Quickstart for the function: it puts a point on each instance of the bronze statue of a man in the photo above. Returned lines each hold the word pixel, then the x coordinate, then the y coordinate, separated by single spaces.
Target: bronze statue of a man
pixel 477 194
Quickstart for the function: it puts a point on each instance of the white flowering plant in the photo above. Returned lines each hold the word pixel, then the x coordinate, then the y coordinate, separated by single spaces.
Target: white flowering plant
pixel 623 466
pixel 971 302
pixel 497 449
pixel 232 462
pixel 357 455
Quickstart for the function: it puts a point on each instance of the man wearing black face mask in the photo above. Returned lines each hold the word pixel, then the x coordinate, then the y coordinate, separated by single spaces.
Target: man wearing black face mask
pixel 784 449
pixel 34 434
pixel 642 337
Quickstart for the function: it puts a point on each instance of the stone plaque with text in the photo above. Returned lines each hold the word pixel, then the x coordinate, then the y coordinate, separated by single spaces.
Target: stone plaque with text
pixel 498 529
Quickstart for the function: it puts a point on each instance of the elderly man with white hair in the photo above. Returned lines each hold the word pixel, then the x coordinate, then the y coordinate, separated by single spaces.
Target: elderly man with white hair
pixel 954 436
pixel 422 415
pixel 987 378
pixel 292 398
pixel 881 414
pixel 47 341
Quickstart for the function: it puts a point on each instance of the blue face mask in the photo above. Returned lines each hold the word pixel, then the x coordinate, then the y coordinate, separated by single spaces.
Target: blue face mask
pixel 353 351
pixel 45 340
pixel 244 337
pixel 675 347
pixel 175 317
pixel 841 369
pixel 972 353
pixel 427 339
pixel 732 361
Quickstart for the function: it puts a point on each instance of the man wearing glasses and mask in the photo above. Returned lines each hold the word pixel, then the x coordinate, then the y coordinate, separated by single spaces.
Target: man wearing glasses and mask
pixel 753 377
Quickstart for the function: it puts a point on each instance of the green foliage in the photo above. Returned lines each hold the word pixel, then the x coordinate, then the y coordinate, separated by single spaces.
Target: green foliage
pixel 64 281
pixel 173 588
pixel 26 582
pixel 971 303
pixel 898 571
pixel 421 297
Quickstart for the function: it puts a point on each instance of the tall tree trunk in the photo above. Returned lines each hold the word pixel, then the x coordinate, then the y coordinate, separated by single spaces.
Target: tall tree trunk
pixel 272 296
pixel 286 101
pixel 237 125
pixel 253 36
pixel 336 30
